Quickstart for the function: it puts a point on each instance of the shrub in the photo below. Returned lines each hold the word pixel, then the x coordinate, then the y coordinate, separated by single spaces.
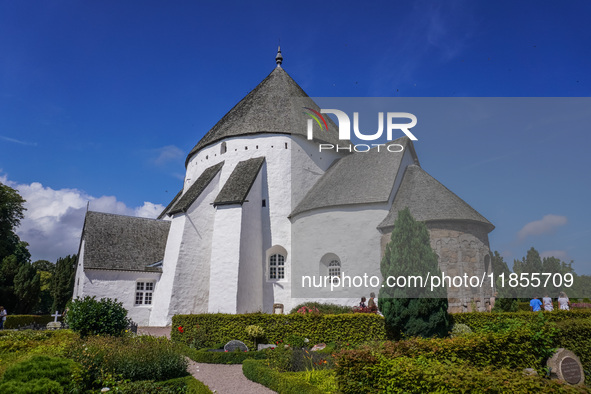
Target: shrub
pixel 42 373
pixel 409 254
pixel 420 375
pixel 203 356
pixel 284 383
pixel 137 358
pixel 327 309
pixel 459 330
pixel 14 321
pixel 35 386
pixel 187 384
pixel 575 335
pixel 220 328
pixel 88 316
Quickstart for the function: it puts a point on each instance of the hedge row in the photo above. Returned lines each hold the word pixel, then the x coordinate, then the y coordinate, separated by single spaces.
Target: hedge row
pixel 203 356
pixel 14 321
pixel 281 382
pixel 420 375
pixel 216 329
pixel 575 335
pixel 479 320
pixel 187 384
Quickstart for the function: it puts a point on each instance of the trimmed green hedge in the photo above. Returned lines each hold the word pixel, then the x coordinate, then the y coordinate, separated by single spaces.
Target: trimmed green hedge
pixel 420 375
pixel 575 335
pixel 178 385
pixel 13 321
pixel 282 382
pixel 479 320
pixel 203 356
pixel 354 328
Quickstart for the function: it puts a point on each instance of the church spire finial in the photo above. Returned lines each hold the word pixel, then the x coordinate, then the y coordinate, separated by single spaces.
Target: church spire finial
pixel 279 58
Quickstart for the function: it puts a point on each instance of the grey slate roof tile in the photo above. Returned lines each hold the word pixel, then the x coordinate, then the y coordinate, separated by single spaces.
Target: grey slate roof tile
pixel 238 185
pixel 116 242
pixel 274 106
pixel 428 200
pixel 359 178
pixel 196 189
pixel 170 205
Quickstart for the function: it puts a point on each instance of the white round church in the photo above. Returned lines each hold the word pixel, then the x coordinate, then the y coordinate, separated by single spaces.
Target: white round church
pixel 261 209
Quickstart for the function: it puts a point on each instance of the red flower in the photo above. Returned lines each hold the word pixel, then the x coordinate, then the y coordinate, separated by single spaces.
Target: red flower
pixel 181 329
pixel 226 351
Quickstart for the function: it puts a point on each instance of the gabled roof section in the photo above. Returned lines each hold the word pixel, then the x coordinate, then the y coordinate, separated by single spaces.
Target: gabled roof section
pixel 170 204
pixel 196 189
pixel 239 183
pixel 116 242
pixel 274 106
pixel 359 178
pixel 428 200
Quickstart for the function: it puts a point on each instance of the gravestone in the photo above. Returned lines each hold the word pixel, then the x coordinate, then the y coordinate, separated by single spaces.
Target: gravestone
pixel 235 345
pixel 262 346
pixel 54 325
pixel 565 365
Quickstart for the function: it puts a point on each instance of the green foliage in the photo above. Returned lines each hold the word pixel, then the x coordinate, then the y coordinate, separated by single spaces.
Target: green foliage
pixel 507 305
pixel 133 358
pixel 11 212
pixel 62 284
pixel 41 373
pixel 88 316
pixel 459 330
pixel 478 321
pixel 284 383
pixel 44 342
pixel 203 356
pixel 27 286
pixel 327 309
pixel 409 254
pixel 187 384
pixel 219 328
pixel 575 335
pixel 296 359
pixel 422 375
pixel 10 268
pixel 14 321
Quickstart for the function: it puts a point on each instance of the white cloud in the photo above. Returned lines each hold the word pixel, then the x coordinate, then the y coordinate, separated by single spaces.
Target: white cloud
pixel 547 225
pixel 53 221
pixel 17 141
pixel 559 254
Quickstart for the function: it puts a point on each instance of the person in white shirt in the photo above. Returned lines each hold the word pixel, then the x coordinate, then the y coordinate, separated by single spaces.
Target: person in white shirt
pixel 563 301
pixel 547 301
pixel 2 317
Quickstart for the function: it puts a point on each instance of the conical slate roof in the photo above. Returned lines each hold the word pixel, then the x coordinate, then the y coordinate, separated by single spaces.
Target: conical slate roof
pixel 274 106
pixel 428 200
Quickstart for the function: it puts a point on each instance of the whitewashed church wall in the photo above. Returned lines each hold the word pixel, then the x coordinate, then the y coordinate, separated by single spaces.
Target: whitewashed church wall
pixel 164 290
pixel 225 259
pixel 191 284
pixel 121 286
pixel 350 233
pixel 308 165
pixel 250 272
pixel 79 278
pixel 185 279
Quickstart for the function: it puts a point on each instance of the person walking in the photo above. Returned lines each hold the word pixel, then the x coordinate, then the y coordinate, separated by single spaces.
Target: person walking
pixel 2 317
pixel 563 302
pixel 548 306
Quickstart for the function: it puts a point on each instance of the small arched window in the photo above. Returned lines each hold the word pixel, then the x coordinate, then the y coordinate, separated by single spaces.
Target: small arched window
pixel 277 266
pixel 334 269
pixel 223 148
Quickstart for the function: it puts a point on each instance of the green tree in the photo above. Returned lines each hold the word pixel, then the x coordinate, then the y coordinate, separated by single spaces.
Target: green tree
pixel 9 268
pixel 27 285
pixel 11 213
pixel 62 284
pixel 505 295
pixel 406 310
pixel 45 270
pixel 88 316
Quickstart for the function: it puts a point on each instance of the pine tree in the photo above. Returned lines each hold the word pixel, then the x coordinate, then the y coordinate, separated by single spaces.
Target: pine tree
pixel 412 311
pixel 62 285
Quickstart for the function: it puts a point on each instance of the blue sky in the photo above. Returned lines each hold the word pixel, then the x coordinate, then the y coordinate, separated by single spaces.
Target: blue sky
pixel 102 101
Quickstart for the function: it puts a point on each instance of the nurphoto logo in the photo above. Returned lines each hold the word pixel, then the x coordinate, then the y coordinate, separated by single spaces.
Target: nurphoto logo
pixel 345 129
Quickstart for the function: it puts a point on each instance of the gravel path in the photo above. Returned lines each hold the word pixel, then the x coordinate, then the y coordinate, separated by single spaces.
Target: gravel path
pixel 221 379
